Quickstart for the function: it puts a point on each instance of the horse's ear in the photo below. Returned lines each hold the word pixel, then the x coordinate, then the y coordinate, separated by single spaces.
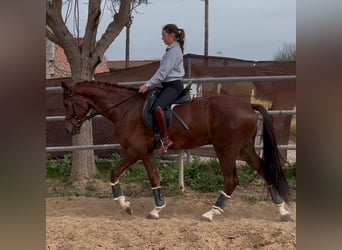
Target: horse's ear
pixel 64 86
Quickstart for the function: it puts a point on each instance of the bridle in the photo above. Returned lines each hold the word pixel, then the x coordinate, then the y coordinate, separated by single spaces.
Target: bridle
pixel 74 115
pixel 79 121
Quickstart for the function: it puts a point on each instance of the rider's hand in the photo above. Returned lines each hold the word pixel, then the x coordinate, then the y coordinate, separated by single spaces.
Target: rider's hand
pixel 143 89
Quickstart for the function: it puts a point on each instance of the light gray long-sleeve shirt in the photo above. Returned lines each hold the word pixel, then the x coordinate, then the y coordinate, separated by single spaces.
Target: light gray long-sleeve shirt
pixel 171 66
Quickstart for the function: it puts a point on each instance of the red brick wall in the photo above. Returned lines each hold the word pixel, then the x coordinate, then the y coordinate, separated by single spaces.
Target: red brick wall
pixel 62 67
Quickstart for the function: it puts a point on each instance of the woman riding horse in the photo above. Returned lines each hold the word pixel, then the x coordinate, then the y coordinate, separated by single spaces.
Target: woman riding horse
pixel 170 74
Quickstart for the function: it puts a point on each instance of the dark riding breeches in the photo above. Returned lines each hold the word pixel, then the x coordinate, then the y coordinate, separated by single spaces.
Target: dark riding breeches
pixel 171 90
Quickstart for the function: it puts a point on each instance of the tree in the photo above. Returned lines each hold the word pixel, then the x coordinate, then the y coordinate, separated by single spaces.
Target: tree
pixel 287 53
pixel 83 56
pixel 134 5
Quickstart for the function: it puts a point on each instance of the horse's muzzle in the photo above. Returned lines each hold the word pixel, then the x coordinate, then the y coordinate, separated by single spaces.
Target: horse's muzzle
pixel 72 130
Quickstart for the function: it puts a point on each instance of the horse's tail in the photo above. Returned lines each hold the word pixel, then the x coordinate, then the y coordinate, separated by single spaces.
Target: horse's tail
pixel 273 162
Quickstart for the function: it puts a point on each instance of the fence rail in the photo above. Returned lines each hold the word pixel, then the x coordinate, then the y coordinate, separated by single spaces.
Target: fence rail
pixel 271 112
pixel 204 80
pixel 118 146
pixel 189 80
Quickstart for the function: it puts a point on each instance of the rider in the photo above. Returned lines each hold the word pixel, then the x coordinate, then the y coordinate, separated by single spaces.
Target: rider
pixel 169 74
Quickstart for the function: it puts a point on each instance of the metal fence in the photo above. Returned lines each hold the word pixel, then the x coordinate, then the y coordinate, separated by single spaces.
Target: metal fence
pixel 186 81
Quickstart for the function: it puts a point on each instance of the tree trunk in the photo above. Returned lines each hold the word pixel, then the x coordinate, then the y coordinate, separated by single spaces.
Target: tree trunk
pixel 83 161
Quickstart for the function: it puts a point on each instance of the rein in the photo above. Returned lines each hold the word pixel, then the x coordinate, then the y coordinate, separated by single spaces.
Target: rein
pixel 93 114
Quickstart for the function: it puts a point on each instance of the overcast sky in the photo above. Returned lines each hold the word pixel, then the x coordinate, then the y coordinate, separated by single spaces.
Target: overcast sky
pixel 244 29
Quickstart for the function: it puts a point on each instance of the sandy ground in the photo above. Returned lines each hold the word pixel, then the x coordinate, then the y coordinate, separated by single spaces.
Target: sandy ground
pixel 250 221
pixel 99 223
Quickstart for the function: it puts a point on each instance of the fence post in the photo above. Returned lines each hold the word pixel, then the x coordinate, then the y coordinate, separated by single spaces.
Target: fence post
pixel 181 171
pixel 258 138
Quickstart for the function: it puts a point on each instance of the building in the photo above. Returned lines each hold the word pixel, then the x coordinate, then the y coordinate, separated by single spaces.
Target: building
pixel 57 65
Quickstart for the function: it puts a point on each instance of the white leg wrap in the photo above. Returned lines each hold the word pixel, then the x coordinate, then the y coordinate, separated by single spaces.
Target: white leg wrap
pixel 284 214
pixel 226 195
pixel 125 205
pixel 112 184
pixel 210 214
pixel 154 214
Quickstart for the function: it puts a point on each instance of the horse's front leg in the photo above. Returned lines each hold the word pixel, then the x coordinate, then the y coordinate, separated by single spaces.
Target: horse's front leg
pixel 118 195
pixel 152 171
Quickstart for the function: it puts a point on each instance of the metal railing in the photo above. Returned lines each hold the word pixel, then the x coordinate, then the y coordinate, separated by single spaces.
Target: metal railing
pixel 189 80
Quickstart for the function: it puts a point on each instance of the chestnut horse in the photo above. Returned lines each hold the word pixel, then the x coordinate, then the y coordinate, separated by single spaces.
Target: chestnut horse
pixel 226 122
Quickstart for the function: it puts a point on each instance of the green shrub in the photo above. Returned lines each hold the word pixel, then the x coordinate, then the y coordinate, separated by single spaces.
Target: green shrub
pixel 58 168
pixel 135 173
pixel 105 166
pixel 247 175
pixel 291 174
pixel 203 176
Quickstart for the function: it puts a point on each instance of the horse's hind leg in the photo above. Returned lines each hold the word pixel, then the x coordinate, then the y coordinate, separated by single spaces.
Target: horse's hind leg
pixel 152 171
pixel 227 160
pixel 249 155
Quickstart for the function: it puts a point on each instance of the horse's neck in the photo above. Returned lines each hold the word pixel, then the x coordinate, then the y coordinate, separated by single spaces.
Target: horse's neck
pixel 105 98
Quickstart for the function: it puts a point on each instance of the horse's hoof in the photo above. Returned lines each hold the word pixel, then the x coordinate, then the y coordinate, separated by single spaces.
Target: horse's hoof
pixel 208 216
pixel 285 217
pixel 129 210
pixel 284 214
pixel 154 216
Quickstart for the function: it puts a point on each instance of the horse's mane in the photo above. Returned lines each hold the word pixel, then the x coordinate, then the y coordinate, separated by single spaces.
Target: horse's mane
pixel 107 85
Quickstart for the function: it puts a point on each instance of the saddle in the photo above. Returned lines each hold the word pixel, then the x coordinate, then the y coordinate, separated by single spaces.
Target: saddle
pixel 152 95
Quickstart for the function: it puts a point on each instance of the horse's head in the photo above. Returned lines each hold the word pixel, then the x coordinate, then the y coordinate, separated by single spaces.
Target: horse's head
pixel 76 110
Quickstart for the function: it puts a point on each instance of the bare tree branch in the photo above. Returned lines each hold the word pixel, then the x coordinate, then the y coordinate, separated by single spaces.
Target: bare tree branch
pixel 51 36
pixel 136 3
pixel 94 12
pixel 113 29
pixel 59 33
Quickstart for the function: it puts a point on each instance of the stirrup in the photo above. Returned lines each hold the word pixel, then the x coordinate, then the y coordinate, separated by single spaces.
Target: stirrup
pixel 163 147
